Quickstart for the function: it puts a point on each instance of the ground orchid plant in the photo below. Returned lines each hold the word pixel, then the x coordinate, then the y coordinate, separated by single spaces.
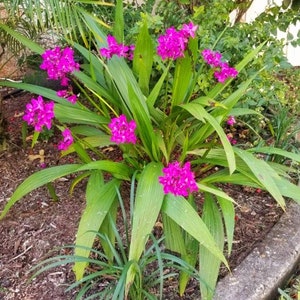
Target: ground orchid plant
pixel 143 99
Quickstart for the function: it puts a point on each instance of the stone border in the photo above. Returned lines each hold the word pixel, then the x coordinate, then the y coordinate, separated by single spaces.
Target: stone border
pixel 269 265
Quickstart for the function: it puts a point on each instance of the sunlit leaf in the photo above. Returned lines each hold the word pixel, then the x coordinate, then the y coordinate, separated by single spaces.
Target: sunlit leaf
pixel 148 201
pixel 98 203
pixel 209 265
pixel 36 180
pixel 184 214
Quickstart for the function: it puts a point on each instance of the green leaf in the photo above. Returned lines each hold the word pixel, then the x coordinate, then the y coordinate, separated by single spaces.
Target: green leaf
pixel 216 157
pixel 108 228
pixel 215 191
pixel 143 58
pixel 99 199
pixel 148 202
pixel 182 79
pixel 196 110
pixel 209 265
pixel 191 254
pixel 233 98
pixel 264 173
pixel 24 40
pixel 87 130
pixel 250 56
pixel 96 86
pixel 118 170
pixel 144 125
pixel 119 21
pixel 200 113
pixel 36 180
pixel 237 111
pixel 277 151
pixel 288 189
pixel 38 90
pixel 236 178
pixel 91 142
pixel 228 212
pixel 178 209
pixel 173 235
pixel 81 153
pixel 78 115
pixel 122 78
pixel 155 91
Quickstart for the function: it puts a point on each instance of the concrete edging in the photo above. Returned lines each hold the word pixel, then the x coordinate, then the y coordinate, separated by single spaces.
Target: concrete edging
pixel 269 265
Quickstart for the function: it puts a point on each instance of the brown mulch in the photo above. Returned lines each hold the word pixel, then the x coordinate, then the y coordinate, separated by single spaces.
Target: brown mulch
pixel 37 224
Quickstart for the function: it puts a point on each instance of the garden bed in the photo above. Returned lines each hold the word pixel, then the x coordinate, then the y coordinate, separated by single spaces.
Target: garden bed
pixel 37 224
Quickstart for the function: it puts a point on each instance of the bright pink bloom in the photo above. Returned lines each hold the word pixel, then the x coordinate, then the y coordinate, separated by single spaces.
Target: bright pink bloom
pixel 189 30
pixel 214 59
pixel 115 48
pixel 59 63
pixel 173 43
pixel 211 57
pixel 122 131
pixel 39 114
pixel 225 72
pixel 67 140
pixel 178 180
pixel 231 121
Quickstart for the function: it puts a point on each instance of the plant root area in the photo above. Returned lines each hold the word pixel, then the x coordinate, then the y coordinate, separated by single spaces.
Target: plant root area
pixel 36 226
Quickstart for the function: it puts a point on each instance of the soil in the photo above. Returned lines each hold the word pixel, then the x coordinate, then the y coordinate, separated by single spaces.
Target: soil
pixel 37 224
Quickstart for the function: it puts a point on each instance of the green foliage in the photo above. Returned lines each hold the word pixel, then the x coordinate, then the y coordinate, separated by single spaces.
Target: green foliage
pixel 154 268
pixel 63 17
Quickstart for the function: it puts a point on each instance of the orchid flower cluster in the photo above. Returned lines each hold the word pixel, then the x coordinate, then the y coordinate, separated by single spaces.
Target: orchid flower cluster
pixel 178 180
pixel 115 48
pixel 58 63
pixel 174 42
pixel 222 69
pixel 122 131
pixel 39 113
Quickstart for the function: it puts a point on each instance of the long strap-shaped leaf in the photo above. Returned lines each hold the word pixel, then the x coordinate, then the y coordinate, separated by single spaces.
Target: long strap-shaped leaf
pixel 264 173
pixel 143 58
pixel 36 180
pixel 118 170
pixel 209 265
pixel 98 203
pixel 200 113
pixel 148 202
pixel 78 116
pixel 278 151
pixel 178 209
pixel 38 90
pixel 42 177
pixel 24 40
